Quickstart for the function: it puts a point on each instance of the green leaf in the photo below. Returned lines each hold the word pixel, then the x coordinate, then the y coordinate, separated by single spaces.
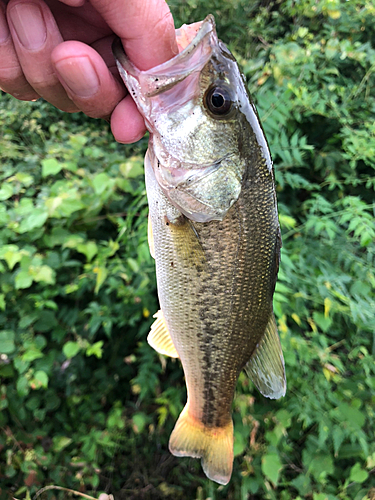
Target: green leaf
pixel 318 464
pixel 60 442
pixel 25 179
pixel 73 241
pixel 46 274
pixel 2 302
pixel 46 322
pixel 348 414
pixel 36 219
pixel 322 321
pixel 302 484
pixel 139 422
pixel 7 345
pixel 271 467
pixel 115 418
pixel 132 168
pixel 64 205
pixel 41 378
pixel 102 182
pixel 50 166
pixel 284 417
pixel 239 445
pixel 338 436
pixel 95 349
pixel 320 496
pixel 23 387
pixel 89 249
pixel 32 354
pixel 11 254
pixel 71 205
pixel 6 191
pixel 357 474
pixel 23 280
pixel 71 349
pixel 286 221
pixel 101 274
pixel 40 342
pixel 58 236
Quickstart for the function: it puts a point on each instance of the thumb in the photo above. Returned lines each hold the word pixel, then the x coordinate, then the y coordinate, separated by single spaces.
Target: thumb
pixel 146 29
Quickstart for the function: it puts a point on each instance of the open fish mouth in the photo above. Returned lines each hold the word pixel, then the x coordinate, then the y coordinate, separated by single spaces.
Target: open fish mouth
pixel 196 42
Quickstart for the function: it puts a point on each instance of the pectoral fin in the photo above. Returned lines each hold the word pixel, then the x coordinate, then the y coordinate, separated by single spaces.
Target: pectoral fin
pixel 159 337
pixel 186 242
pixel 150 236
pixel 266 366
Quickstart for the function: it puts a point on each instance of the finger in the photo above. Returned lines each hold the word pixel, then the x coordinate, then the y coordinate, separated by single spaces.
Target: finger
pixel 86 78
pixel 126 122
pixel 12 79
pixel 145 27
pixel 73 3
pixel 35 34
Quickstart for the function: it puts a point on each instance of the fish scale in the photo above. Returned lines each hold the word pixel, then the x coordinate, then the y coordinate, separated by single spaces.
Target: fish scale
pixel 214 234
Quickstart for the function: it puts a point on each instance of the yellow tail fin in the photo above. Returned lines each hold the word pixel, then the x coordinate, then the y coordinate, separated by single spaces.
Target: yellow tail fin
pixel 191 438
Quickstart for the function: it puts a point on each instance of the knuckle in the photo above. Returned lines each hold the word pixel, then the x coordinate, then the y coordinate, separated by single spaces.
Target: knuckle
pixel 165 20
pixel 10 74
pixel 18 88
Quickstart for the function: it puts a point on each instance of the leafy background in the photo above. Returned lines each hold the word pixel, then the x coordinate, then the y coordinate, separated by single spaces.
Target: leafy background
pixel 85 402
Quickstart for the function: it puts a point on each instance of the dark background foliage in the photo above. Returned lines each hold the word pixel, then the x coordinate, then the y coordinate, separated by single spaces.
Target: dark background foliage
pixel 85 402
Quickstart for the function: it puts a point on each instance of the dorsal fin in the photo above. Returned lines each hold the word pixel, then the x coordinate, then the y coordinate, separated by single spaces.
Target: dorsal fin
pixel 266 365
pixel 159 337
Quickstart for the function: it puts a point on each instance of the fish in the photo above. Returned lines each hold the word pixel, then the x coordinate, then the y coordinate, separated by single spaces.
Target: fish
pixel 214 234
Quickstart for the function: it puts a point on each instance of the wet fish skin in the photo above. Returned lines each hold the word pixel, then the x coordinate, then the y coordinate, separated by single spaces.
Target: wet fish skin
pixel 216 239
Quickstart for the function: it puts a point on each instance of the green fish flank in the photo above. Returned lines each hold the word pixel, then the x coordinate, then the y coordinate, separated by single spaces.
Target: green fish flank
pixel 214 234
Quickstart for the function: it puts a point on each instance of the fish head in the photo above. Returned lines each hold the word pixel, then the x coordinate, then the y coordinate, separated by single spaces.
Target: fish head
pixel 203 125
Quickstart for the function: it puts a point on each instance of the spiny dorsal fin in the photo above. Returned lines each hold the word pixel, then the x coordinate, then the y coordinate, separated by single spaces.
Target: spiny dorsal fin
pixel 266 366
pixel 159 337
pixel 150 236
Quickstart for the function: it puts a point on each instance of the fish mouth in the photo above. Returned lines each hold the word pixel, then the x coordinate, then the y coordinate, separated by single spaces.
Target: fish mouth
pixel 196 42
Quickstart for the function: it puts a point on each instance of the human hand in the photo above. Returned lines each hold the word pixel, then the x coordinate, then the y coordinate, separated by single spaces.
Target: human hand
pixel 61 50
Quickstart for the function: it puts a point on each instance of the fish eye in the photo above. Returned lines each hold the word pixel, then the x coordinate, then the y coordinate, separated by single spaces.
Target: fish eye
pixel 218 100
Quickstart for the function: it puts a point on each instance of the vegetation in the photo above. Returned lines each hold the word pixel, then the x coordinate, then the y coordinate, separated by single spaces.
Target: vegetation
pixel 85 403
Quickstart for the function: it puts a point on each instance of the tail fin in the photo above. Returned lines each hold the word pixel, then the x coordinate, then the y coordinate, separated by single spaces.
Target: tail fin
pixel 191 438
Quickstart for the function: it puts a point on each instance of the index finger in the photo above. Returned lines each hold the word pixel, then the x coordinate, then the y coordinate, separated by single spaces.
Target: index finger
pixel 145 27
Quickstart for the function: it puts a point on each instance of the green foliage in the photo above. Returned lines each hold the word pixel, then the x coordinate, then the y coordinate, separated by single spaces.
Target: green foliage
pixel 85 402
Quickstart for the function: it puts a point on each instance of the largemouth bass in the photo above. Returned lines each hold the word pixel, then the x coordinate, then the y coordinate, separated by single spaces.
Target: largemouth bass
pixel 214 234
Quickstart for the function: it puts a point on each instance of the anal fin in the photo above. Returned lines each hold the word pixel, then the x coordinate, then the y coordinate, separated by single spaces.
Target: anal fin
pixel 266 365
pixel 214 445
pixel 159 337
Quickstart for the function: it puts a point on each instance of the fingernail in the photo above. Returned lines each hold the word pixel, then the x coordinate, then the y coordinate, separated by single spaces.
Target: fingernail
pixel 4 30
pixel 28 21
pixel 79 76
